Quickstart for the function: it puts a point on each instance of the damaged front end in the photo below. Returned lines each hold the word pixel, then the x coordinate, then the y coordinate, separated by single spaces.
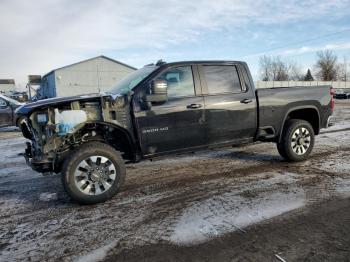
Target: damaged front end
pixel 56 126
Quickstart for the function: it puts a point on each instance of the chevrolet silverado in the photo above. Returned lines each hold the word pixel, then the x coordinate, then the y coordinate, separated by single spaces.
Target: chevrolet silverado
pixel 163 109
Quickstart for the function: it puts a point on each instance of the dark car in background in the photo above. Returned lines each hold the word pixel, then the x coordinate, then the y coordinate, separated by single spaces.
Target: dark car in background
pixel 20 96
pixel 7 110
pixel 342 94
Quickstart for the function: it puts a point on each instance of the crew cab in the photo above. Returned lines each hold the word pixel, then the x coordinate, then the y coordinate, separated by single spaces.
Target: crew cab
pixel 163 109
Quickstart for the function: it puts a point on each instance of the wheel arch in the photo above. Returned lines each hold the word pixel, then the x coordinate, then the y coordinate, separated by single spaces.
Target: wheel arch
pixel 118 137
pixel 310 114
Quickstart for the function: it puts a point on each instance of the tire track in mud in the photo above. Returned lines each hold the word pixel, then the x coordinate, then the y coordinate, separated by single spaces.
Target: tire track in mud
pixel 335 131
pixel 178 195
pixel 190 174
pixel 200 188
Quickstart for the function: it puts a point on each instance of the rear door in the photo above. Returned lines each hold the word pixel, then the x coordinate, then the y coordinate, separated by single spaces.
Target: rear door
pixel 5 113
pixel 177 124
pixel 230 104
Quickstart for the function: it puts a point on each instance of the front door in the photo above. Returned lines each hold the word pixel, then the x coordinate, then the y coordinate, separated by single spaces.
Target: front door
pixel 5 113
pixel 177 124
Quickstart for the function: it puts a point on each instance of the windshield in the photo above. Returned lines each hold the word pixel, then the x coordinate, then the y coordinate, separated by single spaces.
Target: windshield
pixel 12 101
pixel 130 81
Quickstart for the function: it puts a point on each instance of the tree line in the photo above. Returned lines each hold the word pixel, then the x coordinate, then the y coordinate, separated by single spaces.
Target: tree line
pixel 326 68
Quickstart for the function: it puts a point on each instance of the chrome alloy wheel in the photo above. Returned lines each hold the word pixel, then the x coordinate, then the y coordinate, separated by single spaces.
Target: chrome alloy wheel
pixel 95 175
pixel 301 141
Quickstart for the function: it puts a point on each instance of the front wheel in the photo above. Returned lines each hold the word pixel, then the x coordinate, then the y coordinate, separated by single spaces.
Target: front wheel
pixel 297 140
pixel 93 173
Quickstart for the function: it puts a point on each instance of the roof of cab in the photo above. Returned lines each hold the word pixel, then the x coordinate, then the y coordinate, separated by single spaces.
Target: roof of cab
pixel 199 62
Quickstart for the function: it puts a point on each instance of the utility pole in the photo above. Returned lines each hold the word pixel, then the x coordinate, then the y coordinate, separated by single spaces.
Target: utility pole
pixel 345 68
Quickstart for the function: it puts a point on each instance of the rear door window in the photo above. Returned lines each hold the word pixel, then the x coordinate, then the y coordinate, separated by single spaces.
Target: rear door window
pixel 222 79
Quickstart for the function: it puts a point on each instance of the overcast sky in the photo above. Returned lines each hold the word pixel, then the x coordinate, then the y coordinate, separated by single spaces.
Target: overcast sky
pixel 38 36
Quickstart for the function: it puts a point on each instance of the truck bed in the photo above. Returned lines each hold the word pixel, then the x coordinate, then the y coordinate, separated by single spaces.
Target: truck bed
pixel 275 103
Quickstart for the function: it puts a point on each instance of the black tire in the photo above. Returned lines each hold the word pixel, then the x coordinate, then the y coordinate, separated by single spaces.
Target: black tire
pixel 285 146
pixel 86 151
pixel 281 151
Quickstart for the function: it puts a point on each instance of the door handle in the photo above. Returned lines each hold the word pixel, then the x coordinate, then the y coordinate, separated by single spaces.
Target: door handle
pixel 194 106
pixel 246 101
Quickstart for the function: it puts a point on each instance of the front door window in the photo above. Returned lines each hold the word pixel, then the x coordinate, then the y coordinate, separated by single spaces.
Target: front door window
pixel 180 81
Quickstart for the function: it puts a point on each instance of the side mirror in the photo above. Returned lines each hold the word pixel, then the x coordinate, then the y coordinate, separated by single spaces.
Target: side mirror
pixel 4 104
pixel 159 92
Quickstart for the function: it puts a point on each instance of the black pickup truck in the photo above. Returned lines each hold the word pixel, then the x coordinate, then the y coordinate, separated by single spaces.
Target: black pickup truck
pixel 163 109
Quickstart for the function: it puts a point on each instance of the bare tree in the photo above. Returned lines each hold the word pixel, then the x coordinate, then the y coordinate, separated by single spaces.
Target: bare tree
pixel 273 68
pixel 279 69
pixel 294 71
pixel 265 65
pixel 326 66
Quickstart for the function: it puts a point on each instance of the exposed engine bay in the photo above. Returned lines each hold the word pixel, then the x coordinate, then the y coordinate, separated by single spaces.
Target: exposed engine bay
pixel 58 128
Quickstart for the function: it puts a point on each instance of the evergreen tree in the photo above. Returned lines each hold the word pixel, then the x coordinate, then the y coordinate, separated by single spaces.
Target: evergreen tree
pixel 308 76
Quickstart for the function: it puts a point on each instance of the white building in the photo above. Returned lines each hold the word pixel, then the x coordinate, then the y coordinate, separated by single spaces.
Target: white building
pixel 7 86
pixel 88 76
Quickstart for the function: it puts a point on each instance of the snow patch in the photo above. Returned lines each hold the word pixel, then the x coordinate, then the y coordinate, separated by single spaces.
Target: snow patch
pixel 48 196
pixel 230 212
pixel 13 170
pixel 335 163
pixel 343 187
pixel 337 127
pixel 333 139
pixel 98 254
pixel 9 129
pixel 337 166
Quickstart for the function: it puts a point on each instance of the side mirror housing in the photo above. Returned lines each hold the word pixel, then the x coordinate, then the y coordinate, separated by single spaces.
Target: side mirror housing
pixel 4 104
pixel 159 92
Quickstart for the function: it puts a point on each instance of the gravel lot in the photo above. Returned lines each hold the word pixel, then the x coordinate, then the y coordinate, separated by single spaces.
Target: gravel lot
pixel 243 203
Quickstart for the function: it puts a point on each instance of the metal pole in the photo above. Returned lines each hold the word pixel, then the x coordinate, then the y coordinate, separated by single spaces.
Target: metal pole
pixel 98 79
pixel 29 91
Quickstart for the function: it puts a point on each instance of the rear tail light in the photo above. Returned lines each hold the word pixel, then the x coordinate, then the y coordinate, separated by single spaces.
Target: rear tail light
pixel 332 92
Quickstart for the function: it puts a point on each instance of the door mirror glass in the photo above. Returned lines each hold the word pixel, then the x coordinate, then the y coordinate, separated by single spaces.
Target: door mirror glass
pixel 3 103
pixel 159 91
pixel 159 87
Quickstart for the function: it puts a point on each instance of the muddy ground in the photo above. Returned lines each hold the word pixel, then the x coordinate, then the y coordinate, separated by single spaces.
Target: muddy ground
pixel 239 204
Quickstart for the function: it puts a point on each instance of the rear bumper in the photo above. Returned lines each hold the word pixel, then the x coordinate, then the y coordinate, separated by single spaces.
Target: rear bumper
pixel 330 121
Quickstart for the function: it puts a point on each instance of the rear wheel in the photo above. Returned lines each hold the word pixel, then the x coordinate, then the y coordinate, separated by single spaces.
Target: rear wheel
pixel 93 173
pixel 297 140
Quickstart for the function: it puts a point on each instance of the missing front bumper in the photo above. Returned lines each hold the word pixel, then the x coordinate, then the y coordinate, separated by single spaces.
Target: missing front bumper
pixel 41 166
